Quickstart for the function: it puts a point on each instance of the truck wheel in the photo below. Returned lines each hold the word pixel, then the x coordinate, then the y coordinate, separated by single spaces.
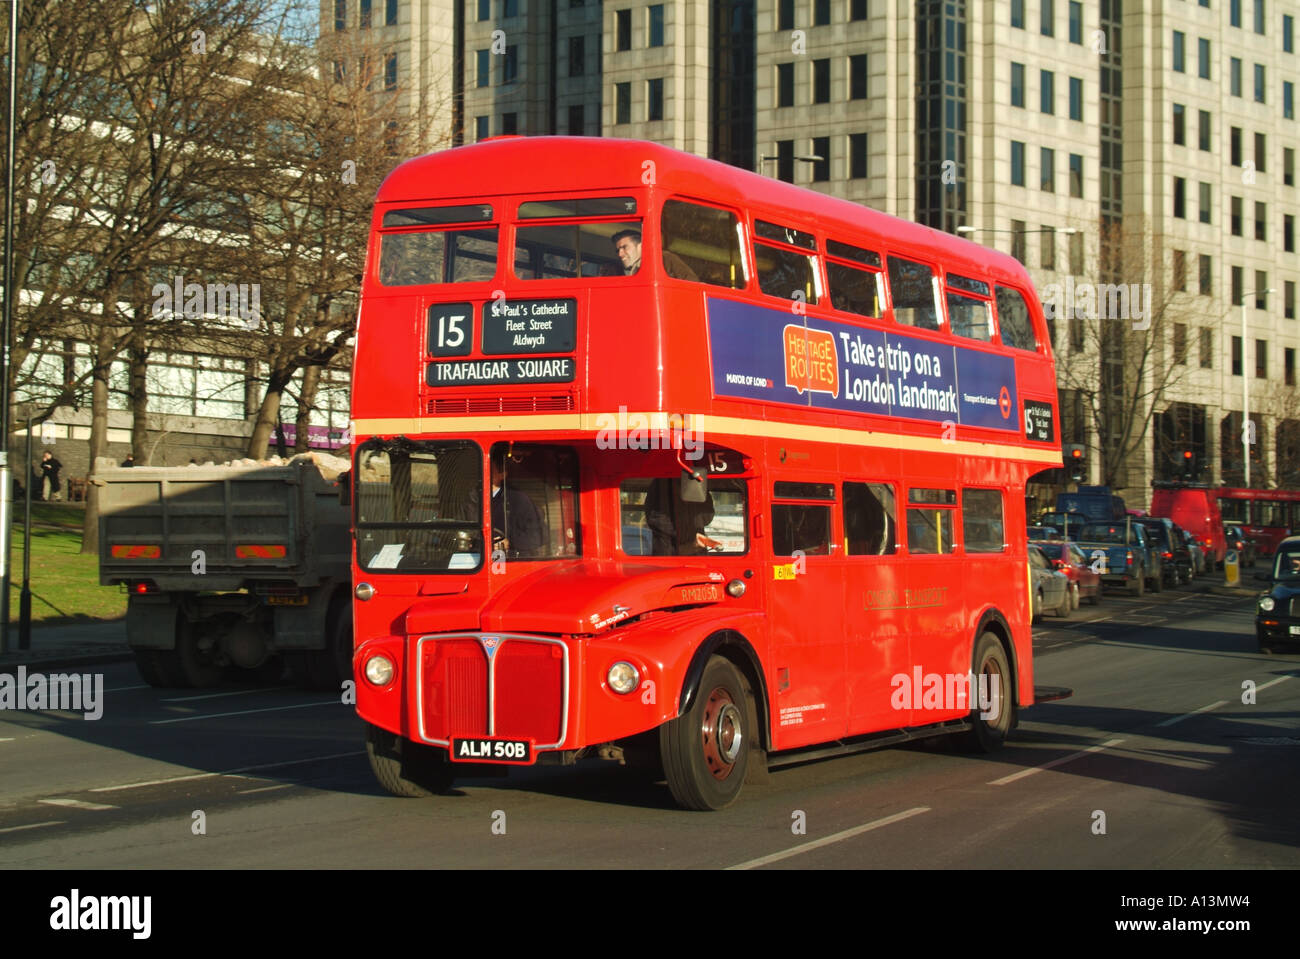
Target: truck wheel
pixel 1074 596
pixel 1096 595
pixel 705 751
pixel 197 664
pixel 407 769
pixel 159 667
pixel 1158 582
pixel 987 735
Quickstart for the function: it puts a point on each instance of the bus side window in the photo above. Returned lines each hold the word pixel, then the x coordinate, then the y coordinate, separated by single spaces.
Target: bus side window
pixel 929 530
pixel 801 526
pixel 912 290
pixel 869 519
pixel 1013 320
pixel 785 273
pixel 981 521
pixel 701 243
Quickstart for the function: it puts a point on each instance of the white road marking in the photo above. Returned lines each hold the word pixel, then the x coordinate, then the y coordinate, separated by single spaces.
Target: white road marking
pixel 34 825
pixel 262 789
pixel 123 689
pixel 228 772
pixel 1055 762
pixel 186 699
pixel 1274 682
pixel 75 804
pixel 6 739
pixel 1194 712
pixel 245 712
pixel 827 840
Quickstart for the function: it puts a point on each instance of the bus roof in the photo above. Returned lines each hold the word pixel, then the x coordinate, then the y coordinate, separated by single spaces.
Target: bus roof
pixel 557 164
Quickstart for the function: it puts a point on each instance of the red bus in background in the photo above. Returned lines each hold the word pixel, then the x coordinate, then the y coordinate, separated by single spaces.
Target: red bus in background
pixel 1196 509
pixel 1266 515
pixel 660 460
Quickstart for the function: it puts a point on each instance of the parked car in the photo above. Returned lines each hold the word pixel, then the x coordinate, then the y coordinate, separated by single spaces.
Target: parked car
pixel 1277 612
pixel 1196 509
pixel 1173 550
pixel 1239 541
pixel 1051 587
pixel 1085 582
pixel 1042 533
pixel 1128 557
pixel 1200 565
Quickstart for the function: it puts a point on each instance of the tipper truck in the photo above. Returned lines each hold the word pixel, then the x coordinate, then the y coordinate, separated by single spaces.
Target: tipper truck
pixel 230 567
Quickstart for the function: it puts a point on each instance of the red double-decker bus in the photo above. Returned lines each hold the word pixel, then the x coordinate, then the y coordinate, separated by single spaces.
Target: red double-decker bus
pixel 659 460
pixel 1266 516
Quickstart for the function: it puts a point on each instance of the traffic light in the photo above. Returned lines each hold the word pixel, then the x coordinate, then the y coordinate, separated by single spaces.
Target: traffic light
pixel 1074 462
pixel 1189 465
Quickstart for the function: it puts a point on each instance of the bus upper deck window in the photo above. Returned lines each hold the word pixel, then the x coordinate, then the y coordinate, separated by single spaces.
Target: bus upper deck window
pixel 1013 320
pixel 437 256
pixel 567 250
pixel 701 243
pixel 852 288
pixel 970 317
pixel 912 288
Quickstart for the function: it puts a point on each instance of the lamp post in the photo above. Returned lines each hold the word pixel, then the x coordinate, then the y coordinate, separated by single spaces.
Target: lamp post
pixel 805 157
pixel 1245 390
pixel 6 326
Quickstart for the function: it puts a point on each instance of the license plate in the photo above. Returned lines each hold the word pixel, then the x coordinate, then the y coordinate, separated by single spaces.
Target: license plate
pixel 1295 630
pixel 491 751
pixel 286 600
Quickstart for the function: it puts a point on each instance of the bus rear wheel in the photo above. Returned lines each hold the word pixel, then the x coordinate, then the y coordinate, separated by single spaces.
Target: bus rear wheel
pixel 406 769
pixel 993 713
pixel 705 751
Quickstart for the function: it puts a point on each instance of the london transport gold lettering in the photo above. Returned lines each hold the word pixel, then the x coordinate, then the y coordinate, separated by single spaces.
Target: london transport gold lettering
pixel 906 599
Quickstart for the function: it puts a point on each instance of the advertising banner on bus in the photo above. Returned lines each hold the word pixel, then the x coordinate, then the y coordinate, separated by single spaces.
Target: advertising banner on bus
pixel 780 356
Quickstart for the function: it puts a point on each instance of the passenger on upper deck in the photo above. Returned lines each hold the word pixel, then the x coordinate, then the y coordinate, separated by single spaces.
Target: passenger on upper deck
pixel 627 243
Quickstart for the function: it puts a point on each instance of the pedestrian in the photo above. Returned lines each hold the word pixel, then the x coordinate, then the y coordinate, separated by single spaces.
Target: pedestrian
pixel 129 461
pixel 50 468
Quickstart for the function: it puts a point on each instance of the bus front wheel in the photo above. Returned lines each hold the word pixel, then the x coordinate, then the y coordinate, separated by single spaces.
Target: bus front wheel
pixel 406 769
pixel 993 714
pixel 705 750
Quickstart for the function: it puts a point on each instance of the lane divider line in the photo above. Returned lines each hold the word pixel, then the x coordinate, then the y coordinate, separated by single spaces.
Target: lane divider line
pixel 1054 763
pixel 34 825
pixel 76 804
pixel 1194 712
pixel 262 789
pixel 245 712
pixel 827 840
pixel 237 692
pixel 228 772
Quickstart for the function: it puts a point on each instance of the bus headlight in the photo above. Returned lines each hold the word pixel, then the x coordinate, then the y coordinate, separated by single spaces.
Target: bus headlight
pixel 1267 604
pixel 623 678
pixel 364 591
pixel 736 588
pixel 379 670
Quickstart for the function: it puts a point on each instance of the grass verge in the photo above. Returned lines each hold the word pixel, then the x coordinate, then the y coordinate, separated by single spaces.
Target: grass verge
pixel 65 584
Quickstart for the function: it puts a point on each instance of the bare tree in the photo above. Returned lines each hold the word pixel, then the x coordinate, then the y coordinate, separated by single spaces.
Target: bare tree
pixel 1122 332
pixel 339 130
